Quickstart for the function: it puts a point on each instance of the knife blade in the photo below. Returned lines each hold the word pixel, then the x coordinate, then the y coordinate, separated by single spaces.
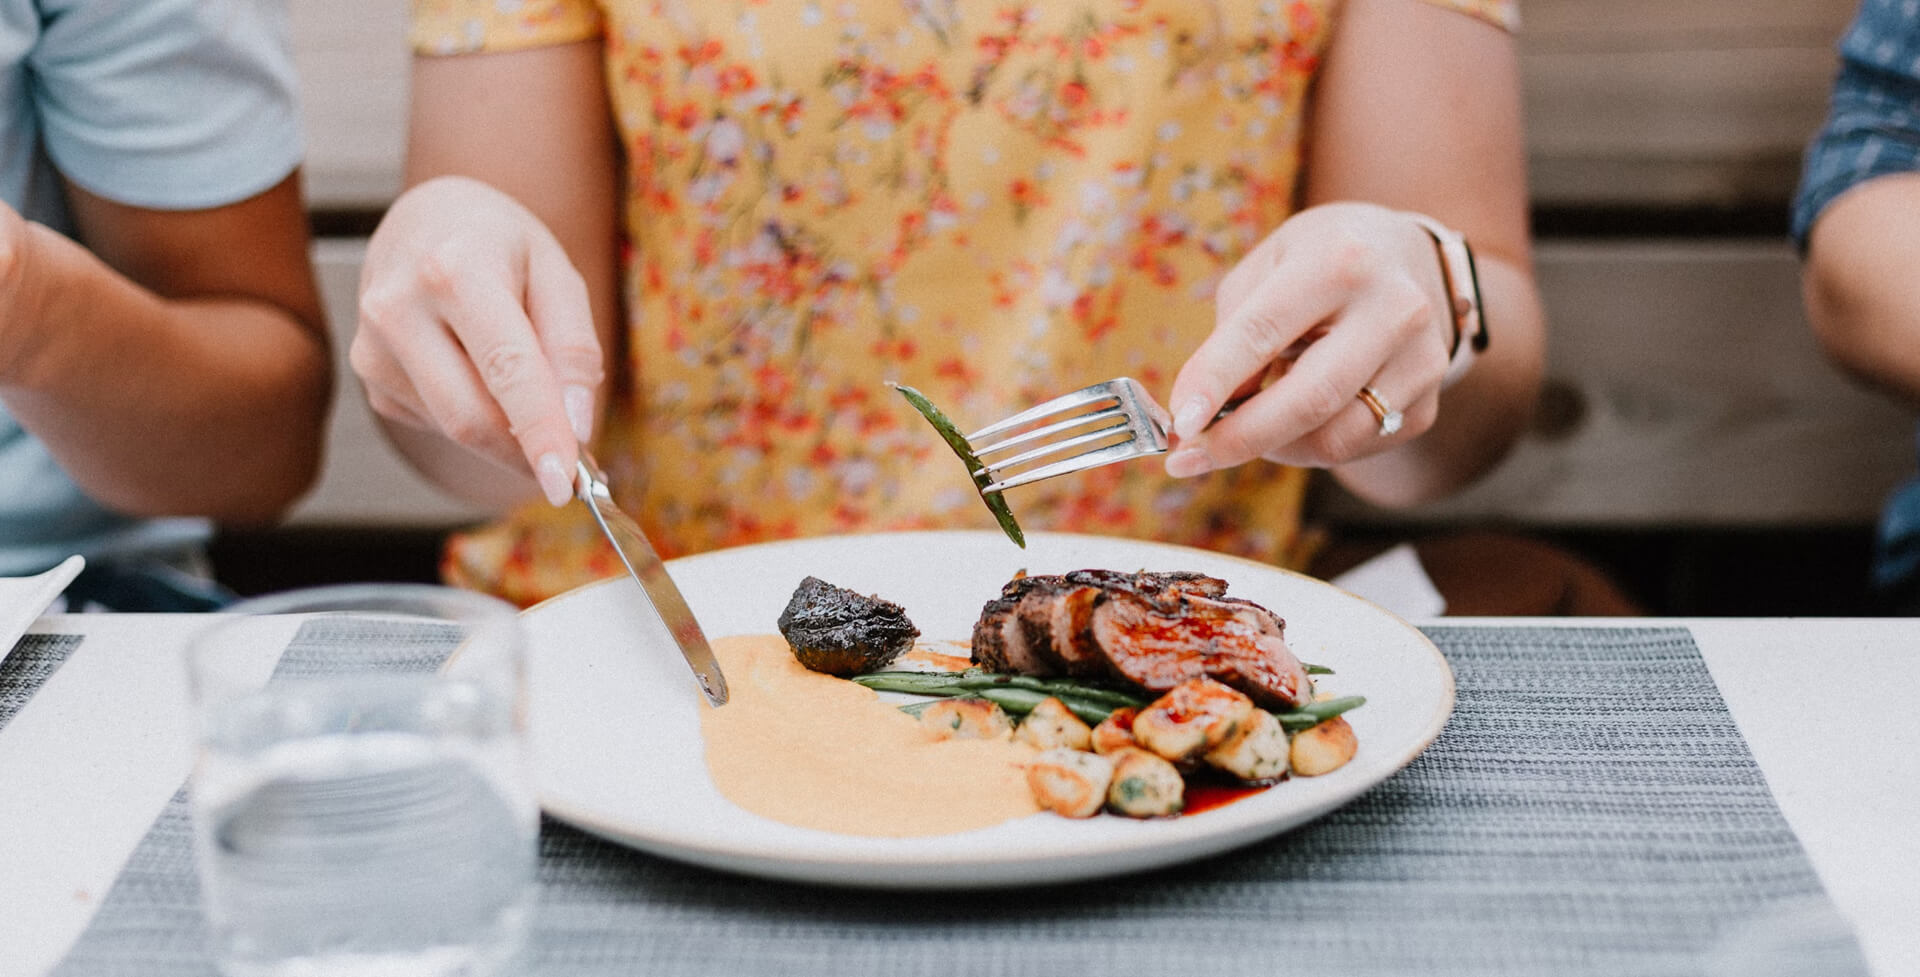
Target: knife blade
pixel 644 565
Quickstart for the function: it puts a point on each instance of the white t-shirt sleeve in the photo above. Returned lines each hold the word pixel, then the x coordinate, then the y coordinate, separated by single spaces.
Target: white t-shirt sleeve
pixel 168 104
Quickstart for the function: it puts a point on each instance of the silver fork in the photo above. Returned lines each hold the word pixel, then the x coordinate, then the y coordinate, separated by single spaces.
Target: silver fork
pixel 1110 421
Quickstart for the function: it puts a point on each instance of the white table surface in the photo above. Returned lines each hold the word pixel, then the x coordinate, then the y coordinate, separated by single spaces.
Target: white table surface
pixel 1830 707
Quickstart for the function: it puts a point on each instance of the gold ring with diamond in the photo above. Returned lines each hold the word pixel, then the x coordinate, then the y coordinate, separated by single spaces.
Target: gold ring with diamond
pixel 1389 418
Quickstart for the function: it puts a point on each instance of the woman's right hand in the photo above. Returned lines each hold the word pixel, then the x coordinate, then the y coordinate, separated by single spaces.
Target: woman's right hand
pixel 475 326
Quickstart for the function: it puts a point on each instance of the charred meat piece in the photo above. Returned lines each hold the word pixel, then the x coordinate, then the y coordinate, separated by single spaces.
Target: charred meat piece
pixel 1234 642
pixel 1066 615
pixel 1163 590
pixel 999 641
pixel 837 631
pixel 1038 624
pixel 1147 630
pixel 1037 627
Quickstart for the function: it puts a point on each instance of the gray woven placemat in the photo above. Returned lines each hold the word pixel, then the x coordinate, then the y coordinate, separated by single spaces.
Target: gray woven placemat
pixel 1590 809
pixel 33 660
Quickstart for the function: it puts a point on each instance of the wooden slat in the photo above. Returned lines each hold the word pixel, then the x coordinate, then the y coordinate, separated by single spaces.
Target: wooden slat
pixel 1688 391
pixel 352 58
pixel 1658 102
pixel 1619 25
pixel 1672 127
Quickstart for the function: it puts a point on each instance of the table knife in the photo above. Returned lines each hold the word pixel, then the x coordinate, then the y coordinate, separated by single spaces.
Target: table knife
pixel 644 565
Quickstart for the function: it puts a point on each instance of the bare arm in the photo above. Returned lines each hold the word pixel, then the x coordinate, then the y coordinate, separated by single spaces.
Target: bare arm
pixel 1415 109
pixel 177 364
pixel 1418 109
pixel 1862 282
pixel 489 299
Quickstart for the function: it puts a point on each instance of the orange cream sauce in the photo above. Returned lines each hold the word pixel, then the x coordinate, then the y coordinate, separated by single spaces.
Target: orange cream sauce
pixel 945 661
pixel 816 751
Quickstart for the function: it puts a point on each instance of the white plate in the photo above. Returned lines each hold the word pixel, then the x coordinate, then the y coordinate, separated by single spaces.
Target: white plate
pixel 616 732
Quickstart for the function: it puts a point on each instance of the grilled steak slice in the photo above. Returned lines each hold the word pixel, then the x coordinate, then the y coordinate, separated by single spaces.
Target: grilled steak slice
pixel 1148 630
pixel 1163 590
pixel 999 643
pixel 1235 643
pixel 1268 621
pixel 1038 626
pixel 1011 634
pixel 1069 617
pixel 837 631
pixel 1053 616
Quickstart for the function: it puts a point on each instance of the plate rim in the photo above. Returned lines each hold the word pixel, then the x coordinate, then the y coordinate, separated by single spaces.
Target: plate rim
pixel 907 869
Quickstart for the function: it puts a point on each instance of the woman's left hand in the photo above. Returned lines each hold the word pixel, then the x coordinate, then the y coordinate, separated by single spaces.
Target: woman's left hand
pixel 1343 296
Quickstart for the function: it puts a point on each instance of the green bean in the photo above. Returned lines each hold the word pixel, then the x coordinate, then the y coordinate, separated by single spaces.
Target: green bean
pixel 1313 669
pixel 1017 698
pixel 1314 713
pixel 1014 702
pixel 1090 712
pixel 1112 698
pixel 996 502
pixel 1019 702
pixel 1018 694
pixel 953 683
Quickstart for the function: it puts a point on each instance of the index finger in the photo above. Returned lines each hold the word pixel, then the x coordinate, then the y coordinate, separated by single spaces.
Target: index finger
pixel 1283 307
pixel 506 353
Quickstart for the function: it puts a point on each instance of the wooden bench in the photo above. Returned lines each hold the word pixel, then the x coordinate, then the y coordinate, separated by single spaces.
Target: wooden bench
pixel 1685 390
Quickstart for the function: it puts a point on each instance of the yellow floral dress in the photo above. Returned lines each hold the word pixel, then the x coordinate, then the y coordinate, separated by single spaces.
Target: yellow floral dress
pixel 994 202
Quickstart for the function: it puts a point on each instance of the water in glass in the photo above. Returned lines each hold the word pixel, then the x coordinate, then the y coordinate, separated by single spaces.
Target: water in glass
pixel 364 824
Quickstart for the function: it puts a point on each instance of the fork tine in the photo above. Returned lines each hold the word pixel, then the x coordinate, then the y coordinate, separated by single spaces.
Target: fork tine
pixel 1076 421
pixel 1067 444
pixel 1092 459
pixel 1137 430
pixel 1070 401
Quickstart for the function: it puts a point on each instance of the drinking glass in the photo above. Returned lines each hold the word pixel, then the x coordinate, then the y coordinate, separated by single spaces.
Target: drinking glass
pixel 361 796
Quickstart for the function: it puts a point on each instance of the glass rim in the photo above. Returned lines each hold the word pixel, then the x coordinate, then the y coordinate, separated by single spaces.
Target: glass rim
pixel 427 602
pixel 349 597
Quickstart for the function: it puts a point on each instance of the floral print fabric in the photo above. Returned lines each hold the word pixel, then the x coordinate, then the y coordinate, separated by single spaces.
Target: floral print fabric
pixel 994 202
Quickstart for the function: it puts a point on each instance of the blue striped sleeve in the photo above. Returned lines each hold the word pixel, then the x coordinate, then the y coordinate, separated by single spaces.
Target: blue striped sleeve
pixel 1873 123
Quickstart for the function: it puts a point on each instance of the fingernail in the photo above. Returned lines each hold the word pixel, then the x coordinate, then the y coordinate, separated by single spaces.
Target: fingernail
pixel 1188 462
pixel 579 402
pixel 1191 419
pixel 553 479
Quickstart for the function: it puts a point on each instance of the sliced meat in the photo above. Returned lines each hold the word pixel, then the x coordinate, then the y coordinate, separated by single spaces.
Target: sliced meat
pixel 1148 630
pixel 1054 614
pixel 1189 582
pixel 1037 607
pixel 991 637
pixel 1071 617
pixel 1269 622
pixel 1163 590
pixel 1232 643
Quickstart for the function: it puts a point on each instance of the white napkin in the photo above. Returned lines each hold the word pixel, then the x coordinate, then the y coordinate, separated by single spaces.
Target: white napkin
pixel 22 599
pixel 1396 581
